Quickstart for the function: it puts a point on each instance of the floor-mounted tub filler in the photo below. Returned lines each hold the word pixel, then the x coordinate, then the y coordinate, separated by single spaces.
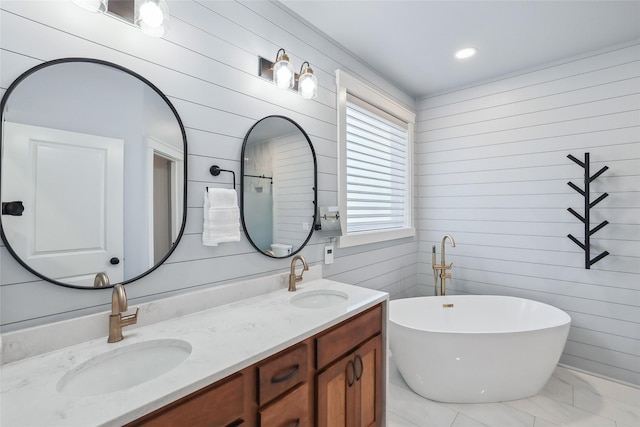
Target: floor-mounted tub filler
pixel 476 348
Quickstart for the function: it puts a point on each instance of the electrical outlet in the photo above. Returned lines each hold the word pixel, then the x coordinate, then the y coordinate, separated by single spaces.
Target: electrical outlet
pixel 328 254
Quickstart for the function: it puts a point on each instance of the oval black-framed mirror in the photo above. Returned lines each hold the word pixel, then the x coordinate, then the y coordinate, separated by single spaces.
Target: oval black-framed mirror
pixel 97 157
pixel 279 186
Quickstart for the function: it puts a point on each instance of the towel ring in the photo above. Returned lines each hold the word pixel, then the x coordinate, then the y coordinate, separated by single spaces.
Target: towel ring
pixel 215 171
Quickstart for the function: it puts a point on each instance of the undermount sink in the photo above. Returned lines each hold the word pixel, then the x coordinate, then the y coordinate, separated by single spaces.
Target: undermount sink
pixel 124 367
pixel 321 298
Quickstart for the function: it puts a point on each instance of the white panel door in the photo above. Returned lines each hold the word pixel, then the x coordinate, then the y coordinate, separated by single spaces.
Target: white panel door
pixel 71 185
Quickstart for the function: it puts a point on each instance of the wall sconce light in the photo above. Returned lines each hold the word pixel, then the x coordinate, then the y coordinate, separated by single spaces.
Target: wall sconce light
pixel 151 16
pixel 282 75
pixel 307 82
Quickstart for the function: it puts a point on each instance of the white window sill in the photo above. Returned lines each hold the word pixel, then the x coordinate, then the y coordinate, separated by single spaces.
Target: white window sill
pixel 365 238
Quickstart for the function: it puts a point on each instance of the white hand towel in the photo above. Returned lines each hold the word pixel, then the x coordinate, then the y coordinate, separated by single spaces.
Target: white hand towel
pixel 221 217
pixel 224 215
pixel 222 198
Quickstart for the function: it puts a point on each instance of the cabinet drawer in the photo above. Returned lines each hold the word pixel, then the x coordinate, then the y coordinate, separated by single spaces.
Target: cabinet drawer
pixel 220 404
pixel 281 372
pixel 344 337
pixel 293 409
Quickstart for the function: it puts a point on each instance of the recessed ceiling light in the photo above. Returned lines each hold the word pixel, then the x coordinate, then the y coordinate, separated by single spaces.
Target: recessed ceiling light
pixel 467 52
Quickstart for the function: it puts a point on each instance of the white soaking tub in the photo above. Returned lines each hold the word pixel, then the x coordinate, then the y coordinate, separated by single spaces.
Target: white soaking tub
pixel 476 348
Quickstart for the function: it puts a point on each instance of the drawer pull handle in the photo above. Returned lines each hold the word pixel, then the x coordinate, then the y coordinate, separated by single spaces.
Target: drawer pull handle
pixel 351 379
pixel 236 423
pixel 287 377
pixel 359 360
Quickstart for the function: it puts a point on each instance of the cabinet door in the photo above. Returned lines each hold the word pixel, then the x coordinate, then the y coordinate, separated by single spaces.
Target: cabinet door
pixel 336 395
pixel 368 385
pixel 350 390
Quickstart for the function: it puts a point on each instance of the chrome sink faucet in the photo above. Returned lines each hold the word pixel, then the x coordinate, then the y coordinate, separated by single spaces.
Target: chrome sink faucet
pixel 442 267
pixel 293 279
pixel 116 320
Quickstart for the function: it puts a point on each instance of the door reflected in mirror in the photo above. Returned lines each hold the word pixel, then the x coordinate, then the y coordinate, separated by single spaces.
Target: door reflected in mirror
pixel 97 155
pixel 278 186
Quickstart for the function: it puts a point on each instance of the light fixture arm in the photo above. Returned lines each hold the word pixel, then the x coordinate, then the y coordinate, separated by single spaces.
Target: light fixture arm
pixel 284 52
pixel 302 67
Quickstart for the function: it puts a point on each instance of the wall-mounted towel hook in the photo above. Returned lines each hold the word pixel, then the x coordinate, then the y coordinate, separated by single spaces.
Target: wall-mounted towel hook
pixel 215 171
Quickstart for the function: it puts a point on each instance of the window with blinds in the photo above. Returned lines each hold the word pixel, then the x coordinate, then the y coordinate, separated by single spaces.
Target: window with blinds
pixel 377 181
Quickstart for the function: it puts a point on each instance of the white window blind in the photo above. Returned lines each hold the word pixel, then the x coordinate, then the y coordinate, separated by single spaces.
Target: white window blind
pixel 377 181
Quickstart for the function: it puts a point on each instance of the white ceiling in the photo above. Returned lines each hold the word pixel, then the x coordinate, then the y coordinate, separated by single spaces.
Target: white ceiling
pixel 411 43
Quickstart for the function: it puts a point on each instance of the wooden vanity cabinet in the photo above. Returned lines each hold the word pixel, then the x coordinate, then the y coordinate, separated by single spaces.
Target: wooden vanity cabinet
pixel 332 379
pixel 223 404
pixel 349 381
pixel 285 388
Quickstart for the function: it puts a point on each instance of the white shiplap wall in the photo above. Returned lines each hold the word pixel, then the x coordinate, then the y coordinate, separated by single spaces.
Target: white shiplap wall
pixel 207 66
pixel 493 172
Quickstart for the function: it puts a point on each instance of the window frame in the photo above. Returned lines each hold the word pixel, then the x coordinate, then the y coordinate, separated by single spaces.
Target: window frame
pixel 347 84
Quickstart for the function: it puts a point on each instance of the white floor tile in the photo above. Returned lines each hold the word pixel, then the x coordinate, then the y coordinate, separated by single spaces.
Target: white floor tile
pixel 494 414
pixel 464 421
pixel 560 413
pixel 621 392
pixel 539 422
pixel 558 389
pixel 607 407
pixel 418 410
pixel 395 420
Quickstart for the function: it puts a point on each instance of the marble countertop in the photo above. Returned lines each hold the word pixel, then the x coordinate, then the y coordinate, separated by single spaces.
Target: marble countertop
pixel 224 340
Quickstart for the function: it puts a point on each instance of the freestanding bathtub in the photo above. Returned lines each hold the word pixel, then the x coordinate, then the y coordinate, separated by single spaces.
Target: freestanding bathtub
pixel 476 348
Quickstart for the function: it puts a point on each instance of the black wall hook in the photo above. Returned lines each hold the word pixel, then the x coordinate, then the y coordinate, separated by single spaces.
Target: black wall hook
pixel 586 246
pixel 12 208
pixel 215 171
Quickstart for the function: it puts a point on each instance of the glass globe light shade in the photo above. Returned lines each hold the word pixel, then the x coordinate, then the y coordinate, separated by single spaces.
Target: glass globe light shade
pixel 152 16
pixel 308 84
pixel 283 72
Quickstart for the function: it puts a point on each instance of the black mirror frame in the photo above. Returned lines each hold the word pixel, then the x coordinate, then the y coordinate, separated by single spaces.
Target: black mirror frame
pixel 315 187
pixel 46 64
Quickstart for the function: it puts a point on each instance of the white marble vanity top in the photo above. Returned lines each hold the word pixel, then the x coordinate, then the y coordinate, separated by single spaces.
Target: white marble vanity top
pixel 224 340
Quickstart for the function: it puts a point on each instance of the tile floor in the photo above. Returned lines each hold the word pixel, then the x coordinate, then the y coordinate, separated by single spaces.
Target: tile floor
pixel 570 399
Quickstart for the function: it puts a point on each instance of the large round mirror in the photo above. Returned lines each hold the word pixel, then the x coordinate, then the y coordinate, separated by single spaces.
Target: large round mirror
pixel 278 187
pixel 93 173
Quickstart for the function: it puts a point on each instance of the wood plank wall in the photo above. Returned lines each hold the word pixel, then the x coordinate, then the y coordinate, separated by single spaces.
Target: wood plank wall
pixel 493 172
pixel 207 66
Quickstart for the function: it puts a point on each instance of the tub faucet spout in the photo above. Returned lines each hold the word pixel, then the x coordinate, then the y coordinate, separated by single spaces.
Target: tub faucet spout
pixel 443 267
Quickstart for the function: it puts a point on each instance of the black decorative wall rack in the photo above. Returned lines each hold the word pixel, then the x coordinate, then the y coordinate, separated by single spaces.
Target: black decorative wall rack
pixel 588 178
